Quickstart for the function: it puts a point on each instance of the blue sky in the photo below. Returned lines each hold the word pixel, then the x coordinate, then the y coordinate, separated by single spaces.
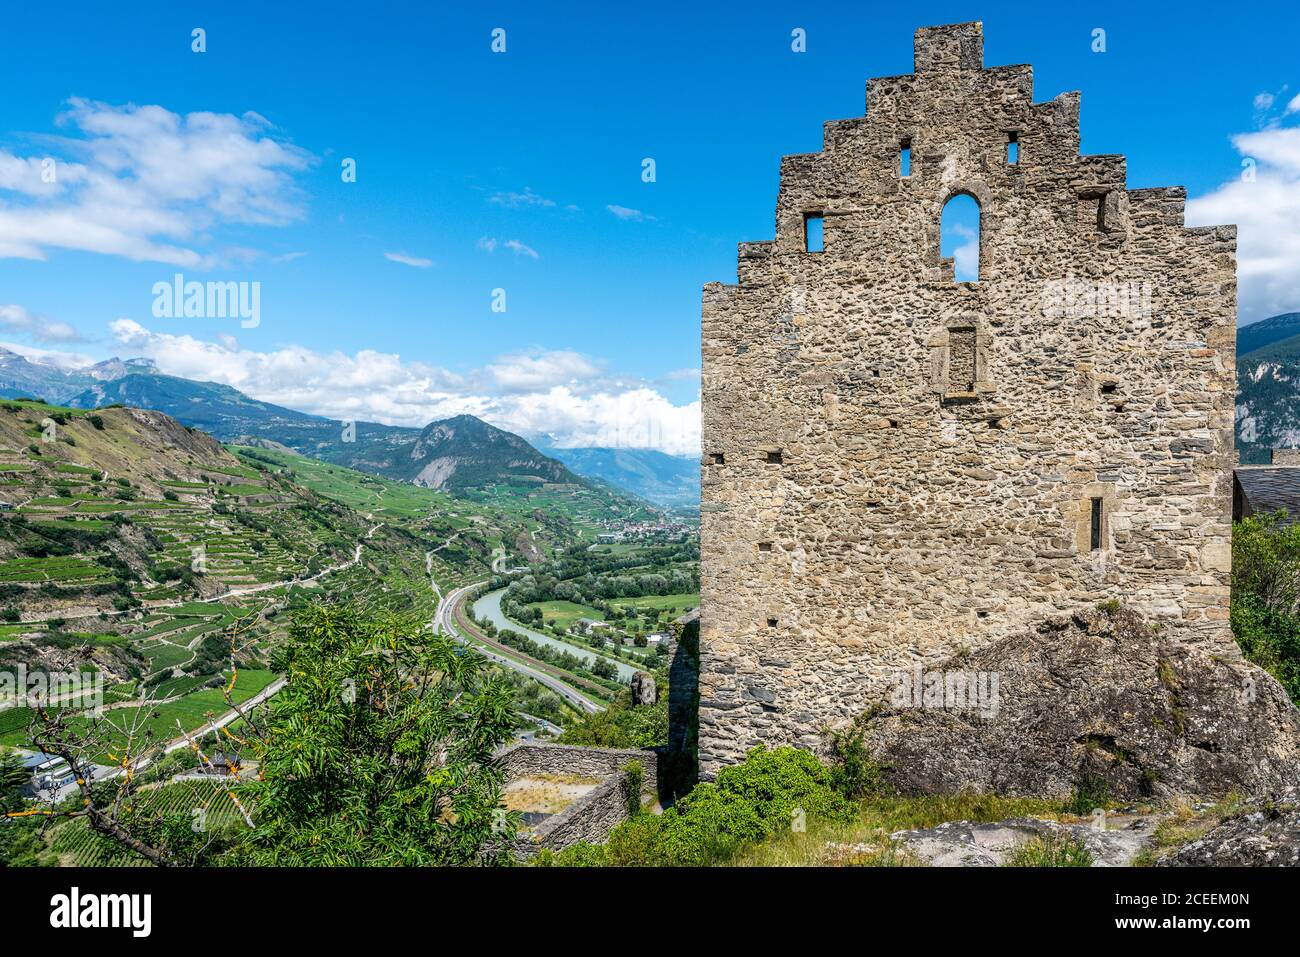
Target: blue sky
pixel 522 171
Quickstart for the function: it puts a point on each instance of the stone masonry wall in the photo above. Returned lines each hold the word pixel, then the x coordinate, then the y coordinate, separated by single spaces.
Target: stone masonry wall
pixel 592 816
pixel 897 465
pixel 534 757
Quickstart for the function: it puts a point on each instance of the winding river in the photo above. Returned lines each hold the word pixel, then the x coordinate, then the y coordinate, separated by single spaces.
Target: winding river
pixel 488 608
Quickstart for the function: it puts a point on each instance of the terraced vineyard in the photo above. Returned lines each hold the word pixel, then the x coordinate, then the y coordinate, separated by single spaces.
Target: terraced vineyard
pixel 149 553
pixel 133 547
pixel 78 846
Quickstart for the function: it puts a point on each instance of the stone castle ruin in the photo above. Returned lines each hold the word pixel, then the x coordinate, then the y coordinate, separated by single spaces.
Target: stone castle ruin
pixel 900 467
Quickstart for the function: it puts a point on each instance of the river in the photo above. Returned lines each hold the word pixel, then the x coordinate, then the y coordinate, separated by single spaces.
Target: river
pixel 488 608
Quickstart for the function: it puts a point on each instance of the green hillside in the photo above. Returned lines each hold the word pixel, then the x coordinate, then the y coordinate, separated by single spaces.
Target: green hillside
pixel 142 550
pixel 1268 387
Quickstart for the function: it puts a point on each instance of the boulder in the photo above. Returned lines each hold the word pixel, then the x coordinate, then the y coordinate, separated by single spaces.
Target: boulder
pixel 972 844
pixel 643 688
pixel 1266 835
pixel 1096 701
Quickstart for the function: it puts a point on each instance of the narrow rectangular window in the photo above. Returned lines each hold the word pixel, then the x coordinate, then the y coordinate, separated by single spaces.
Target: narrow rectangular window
pixel 1101 213
pixel 1013 148
pixel 905 158
pixel 1095 540
pixel 813 233
pixel 719 458
pixel 774 458
pixel 764 546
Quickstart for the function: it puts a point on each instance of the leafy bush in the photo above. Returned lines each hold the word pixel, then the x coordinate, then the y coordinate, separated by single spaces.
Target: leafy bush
pixel 1265 614
pixel 633 775
pixel 1090 792
pixel 766 794
pixel 1269 638
pixel 622 726
pixel 853 771
pixel 379 749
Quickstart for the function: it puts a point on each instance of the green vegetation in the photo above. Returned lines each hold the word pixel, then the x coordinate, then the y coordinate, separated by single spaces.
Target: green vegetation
pixel 1265 615
pixel 1187 824
pixel 1052 850
pixel 623 726
pixel 21 844
pixel 344 751
pixel 853 772
pixel 562 614
pixel 769 793
pixel 168 815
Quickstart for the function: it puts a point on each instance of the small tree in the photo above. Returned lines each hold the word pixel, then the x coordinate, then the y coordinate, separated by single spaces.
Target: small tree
pixel 379 750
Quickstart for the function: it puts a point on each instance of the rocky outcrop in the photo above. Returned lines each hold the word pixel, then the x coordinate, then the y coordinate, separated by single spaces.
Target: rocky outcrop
pixel 1096 701
pixel 465 451
pixel 1267 835
pixel 972 844
pixel 643 689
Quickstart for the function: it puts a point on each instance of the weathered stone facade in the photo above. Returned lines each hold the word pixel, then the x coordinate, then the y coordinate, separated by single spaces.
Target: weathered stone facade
pixel 898 466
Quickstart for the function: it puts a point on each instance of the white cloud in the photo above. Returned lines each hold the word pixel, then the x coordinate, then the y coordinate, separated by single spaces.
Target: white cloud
pixel 1266 211
pixel 406 259
pixel 1294 105
pixel 14 318
pixel 624 213
pixel 528 372
pixel 489 245
pixel 681 375
pixel 519 200
pixel 50 357
pixel 148 184
pixel 520 249
pixel 287 257
pixel 966 260
pixel 561 394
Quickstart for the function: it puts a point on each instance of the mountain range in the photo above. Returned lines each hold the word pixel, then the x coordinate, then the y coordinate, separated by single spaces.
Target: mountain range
pixel 453 454
pixel 1268 386
pixel 668 480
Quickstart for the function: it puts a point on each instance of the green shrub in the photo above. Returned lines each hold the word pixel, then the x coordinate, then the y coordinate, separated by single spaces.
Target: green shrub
pixel 766 794
pixel 633 776
pixel 1090 792
pixel 621 725
pixel 853 771
pixel 1270 638
pixel 1052 850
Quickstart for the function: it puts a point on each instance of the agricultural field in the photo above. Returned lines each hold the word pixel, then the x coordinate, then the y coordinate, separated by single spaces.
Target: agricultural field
pixel 156 722
pixel 370 494
pixel 672 604
pixel 185 546
pixel 77 846
pixel 164 558
pixel 564 613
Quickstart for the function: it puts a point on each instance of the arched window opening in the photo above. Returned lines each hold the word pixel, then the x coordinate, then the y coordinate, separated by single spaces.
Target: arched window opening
pixel 959 237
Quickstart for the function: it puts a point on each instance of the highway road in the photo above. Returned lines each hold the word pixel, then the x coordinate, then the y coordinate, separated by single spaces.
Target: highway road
pixel 444 622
